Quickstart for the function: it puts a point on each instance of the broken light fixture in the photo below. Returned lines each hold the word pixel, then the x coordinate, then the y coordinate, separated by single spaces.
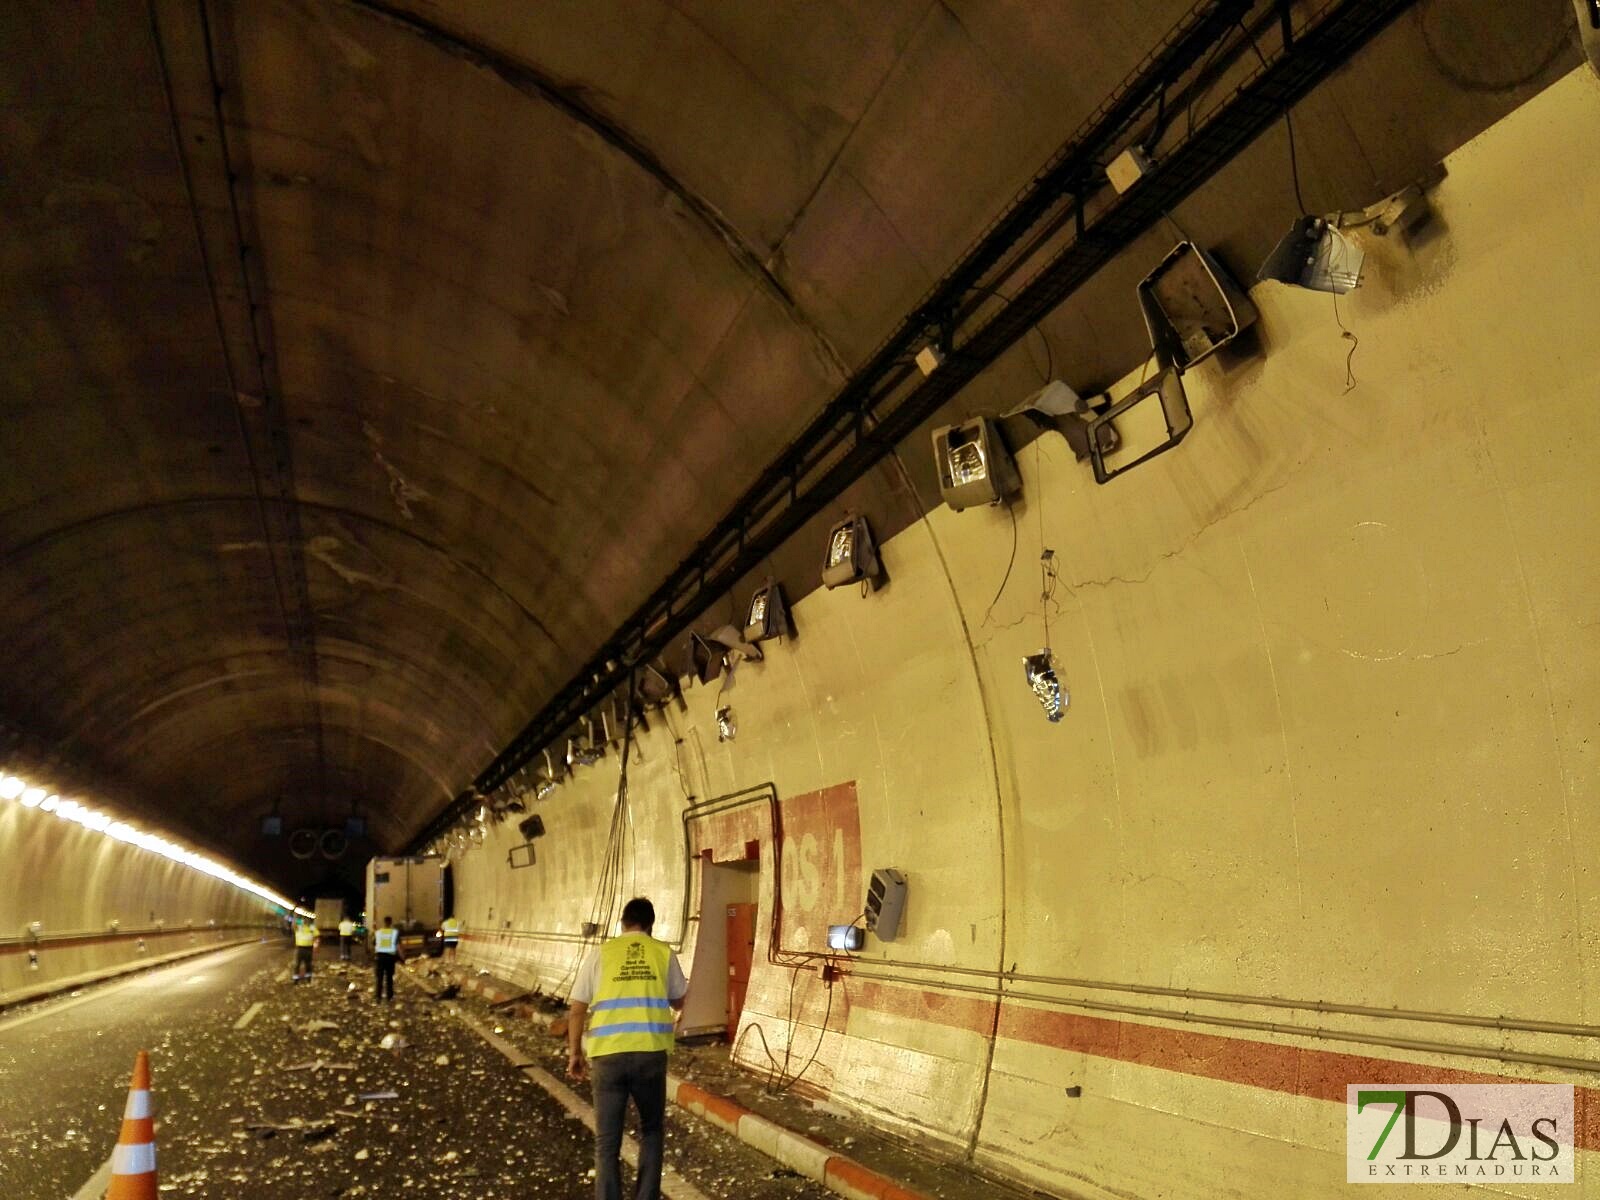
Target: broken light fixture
pixel 974 465
pixel 1192 306
pixel 1167 387
pixel 1057 406
pixel 767 616
pixel 851 556
pixel 1043 681
pixel 1315 255
pixel 727 730
pixel 705 660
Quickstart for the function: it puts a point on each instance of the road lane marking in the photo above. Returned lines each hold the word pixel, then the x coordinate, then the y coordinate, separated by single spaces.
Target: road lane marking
pixel 673 1185
pixel 99 992
pixel 95 1188
pixel 250 1014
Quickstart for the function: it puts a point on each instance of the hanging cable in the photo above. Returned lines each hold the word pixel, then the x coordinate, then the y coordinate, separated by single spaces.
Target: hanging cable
pixel 1011 562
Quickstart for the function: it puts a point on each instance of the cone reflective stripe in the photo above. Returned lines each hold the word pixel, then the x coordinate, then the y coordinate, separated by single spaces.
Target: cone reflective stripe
pixel 133 1162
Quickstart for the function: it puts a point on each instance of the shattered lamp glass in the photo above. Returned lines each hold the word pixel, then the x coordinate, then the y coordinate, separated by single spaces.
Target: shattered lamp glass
pixel 1041 673
pixel 843 546
pixel 543 788
pixel 726 729
pixel 758 609
pixel 967 465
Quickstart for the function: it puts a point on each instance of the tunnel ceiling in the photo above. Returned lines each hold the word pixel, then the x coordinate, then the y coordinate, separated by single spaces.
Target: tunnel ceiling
pixel 367 363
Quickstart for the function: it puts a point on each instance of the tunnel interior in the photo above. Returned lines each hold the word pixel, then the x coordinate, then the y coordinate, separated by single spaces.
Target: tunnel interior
pixel 426 433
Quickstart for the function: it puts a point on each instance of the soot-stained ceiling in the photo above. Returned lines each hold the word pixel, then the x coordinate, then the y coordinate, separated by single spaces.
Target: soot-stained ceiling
pixel 367 362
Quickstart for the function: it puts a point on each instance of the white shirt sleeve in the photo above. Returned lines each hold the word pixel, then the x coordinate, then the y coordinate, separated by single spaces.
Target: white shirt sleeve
pixel 583 988
pixel 677 985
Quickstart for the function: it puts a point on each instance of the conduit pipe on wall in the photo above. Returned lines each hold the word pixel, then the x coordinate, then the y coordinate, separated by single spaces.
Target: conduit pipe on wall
pixel 777 954
pixel 1588 1066
pixel 767 793
pixel 65 940
pixel 1511 1024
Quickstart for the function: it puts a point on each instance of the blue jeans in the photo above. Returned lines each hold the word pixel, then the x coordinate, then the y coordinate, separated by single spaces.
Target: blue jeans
pixel 616 1077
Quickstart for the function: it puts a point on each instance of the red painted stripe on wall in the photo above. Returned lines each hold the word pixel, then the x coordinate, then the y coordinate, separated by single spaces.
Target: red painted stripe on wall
pixel 941 1008
pixel 1279 1067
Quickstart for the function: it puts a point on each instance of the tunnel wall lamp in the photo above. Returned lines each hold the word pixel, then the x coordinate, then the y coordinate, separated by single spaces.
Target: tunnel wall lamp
pixel 31 796
pixel 1316 256
pixel 974 465
pixel 768 615
pixel 851 556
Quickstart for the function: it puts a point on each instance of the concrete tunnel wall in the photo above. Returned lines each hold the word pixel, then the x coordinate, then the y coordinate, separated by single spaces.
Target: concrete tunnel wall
pixel 76 882
pixel 1334 674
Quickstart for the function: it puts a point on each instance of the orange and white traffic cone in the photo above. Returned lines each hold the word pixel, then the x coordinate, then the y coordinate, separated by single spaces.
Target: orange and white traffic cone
pixel 133 1162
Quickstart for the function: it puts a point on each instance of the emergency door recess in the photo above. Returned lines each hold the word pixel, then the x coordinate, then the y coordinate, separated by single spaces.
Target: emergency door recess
pixel 741 952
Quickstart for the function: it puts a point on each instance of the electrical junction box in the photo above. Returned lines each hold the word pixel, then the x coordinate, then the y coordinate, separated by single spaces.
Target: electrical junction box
pixel 886 903
pixel 929 359
pixel 1127 168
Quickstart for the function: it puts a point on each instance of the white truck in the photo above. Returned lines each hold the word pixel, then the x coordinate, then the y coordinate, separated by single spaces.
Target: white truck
pixel 330 911
pixel 411 890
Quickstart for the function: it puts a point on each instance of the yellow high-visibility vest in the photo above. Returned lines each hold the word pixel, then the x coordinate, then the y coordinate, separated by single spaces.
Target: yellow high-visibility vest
pixel 304 935
pixel 386 941
pixel 346 927
pixel 630 1011
pixel 452 927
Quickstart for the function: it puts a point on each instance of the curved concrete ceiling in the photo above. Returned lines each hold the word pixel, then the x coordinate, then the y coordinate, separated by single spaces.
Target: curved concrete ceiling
pixel 369 362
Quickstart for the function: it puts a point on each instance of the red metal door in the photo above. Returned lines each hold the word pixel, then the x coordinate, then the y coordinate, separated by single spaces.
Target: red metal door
pixel 741 952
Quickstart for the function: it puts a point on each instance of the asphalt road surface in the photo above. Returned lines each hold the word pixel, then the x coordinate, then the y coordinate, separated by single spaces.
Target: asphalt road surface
pixel 304 1100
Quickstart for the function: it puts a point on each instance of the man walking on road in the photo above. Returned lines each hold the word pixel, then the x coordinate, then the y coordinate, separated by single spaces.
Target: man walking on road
pixel 347 934
pixel 305 943
pixel 386 953
pixel 450 931
pixel 628 992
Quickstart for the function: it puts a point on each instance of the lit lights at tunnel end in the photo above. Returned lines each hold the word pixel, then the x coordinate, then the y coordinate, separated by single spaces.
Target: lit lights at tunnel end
pixel 31 796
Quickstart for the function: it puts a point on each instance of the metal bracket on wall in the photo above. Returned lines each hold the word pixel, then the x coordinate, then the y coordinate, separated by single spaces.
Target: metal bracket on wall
pixel 524 852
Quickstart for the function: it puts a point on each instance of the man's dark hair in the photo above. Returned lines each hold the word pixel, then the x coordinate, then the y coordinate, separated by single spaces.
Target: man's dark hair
pixel 388 920
pixel 639 913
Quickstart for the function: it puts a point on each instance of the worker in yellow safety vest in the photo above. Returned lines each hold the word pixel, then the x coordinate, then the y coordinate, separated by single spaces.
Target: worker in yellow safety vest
pixel 385 955
pixel 305 941
pixel 347 934
pixel 629 992
pixel 450 931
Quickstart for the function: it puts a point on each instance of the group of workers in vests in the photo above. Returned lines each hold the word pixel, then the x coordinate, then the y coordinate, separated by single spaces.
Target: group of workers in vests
pixel 621 1026
pixel 385 949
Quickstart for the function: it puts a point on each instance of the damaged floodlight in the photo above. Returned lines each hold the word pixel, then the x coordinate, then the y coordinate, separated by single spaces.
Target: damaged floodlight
pixel 1315 255
pixel 1167 387
pixel 582 750
pixel 733 645
pixel 975 467
pixel 705 660
pixel 656 684
pixel 851 556
pixel 1057 406
pixel 727 730
pixel 768 615
pixel 1043 681
pixel 1192 306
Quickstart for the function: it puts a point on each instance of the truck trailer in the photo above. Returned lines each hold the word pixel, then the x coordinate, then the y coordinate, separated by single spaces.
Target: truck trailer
pixel 330 911
pixel 412 890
